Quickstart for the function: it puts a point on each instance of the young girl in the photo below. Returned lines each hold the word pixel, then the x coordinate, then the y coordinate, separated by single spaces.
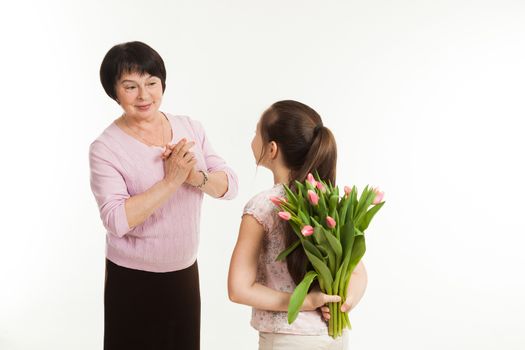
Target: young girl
pixel 291 141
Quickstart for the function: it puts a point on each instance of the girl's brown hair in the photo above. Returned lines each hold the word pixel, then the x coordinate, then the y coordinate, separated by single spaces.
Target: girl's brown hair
pixel 307 146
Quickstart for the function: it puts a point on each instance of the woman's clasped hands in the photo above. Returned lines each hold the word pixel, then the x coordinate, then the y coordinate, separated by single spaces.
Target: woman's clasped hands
pixel 179 162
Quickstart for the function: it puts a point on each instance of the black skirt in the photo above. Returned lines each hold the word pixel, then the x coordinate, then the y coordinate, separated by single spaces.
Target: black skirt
pixel 147 310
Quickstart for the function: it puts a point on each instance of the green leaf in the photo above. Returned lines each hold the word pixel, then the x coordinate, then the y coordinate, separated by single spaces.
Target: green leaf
pixel 296 226
pixel 338 226
pixel 288 250
pixel 291 196
pixel 321 236
pixel 298 296
pixel 325 276
pixel 301 190
pixel 347 238
pixel 332 204
pixel 332 260
pixel 345 202
pixel 358 250
pixel 364 206
pixel 303 217
pixel 309 247
pixel 353 204
pixel 363 225
pixel 318 235
pixel 341 273
pixel 322 209
pixel 334 244
pixel 362 200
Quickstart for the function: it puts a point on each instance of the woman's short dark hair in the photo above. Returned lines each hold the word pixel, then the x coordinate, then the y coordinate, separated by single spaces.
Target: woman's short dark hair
pixel 130 57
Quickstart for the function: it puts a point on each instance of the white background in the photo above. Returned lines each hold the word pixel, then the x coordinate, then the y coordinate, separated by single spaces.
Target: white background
pixel 426 99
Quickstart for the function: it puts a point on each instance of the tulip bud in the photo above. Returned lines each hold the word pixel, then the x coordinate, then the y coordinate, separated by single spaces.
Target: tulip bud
pixel 320 187
pixel 330 222
pixel 277 200
pixel 285 215
pixel 379 196
pixel 307 230
pixel 310 179
pixel 348 190
pixel 313 197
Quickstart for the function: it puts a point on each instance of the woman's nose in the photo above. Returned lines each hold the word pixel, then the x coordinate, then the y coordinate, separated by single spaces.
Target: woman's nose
pixel 143 94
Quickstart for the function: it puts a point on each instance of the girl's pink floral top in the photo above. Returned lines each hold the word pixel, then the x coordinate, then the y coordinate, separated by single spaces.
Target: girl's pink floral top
pixel 274 274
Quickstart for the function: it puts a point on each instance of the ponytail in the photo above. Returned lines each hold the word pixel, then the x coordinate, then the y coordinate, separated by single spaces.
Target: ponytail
pixel 321 157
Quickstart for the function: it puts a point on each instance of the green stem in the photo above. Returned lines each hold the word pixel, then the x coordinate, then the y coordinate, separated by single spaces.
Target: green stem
pixel 331 321
pixel 336 325
pixel 338 318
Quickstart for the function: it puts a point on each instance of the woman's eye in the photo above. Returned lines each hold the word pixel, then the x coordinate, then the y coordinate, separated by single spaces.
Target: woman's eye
pixel 129 87
pixel 153 83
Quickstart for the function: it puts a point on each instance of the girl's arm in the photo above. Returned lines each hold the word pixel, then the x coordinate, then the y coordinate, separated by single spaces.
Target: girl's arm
pixel 356 287
pixel 243 289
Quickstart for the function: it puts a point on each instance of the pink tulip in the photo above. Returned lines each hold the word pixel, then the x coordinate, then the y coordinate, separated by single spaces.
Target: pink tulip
pixel 285 215
pixel 310 179
pixel 348 190
pixel 320 187
pixel 277 200
pixel 379 196
pixel 307 231
pixel 330 222
pixel 313 197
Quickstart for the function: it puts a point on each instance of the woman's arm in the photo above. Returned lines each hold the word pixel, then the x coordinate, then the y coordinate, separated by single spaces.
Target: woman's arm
pixel 176 170
pixel 141 206
pixel 216 186
pixel 242 287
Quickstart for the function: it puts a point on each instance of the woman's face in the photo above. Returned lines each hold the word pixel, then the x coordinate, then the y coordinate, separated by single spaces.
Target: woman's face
pixel 139 95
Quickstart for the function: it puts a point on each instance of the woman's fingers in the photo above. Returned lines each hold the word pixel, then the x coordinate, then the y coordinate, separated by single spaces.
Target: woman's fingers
pixel 179 150
pixel 167 151
pixel 176 148
pixel 185 148
pixel 188 157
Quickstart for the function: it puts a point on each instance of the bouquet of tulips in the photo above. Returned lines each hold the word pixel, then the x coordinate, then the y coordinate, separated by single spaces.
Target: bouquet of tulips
pixel 331 230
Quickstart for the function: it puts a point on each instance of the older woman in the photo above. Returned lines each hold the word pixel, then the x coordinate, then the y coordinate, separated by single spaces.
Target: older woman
pixel 149 170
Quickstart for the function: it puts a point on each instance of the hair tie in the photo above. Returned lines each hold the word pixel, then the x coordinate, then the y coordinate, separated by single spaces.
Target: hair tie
pixel 317 129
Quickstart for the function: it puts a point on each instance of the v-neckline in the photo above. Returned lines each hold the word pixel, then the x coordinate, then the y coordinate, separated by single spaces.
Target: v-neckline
pixel 144 144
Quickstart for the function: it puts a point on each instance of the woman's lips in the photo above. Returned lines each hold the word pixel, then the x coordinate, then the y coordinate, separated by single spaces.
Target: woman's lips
pixel 144 107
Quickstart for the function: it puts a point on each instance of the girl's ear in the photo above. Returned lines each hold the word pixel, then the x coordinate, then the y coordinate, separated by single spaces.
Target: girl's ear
pixel 274 150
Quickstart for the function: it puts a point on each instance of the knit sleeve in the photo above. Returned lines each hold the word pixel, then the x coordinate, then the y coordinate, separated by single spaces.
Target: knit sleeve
pixel 109 188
